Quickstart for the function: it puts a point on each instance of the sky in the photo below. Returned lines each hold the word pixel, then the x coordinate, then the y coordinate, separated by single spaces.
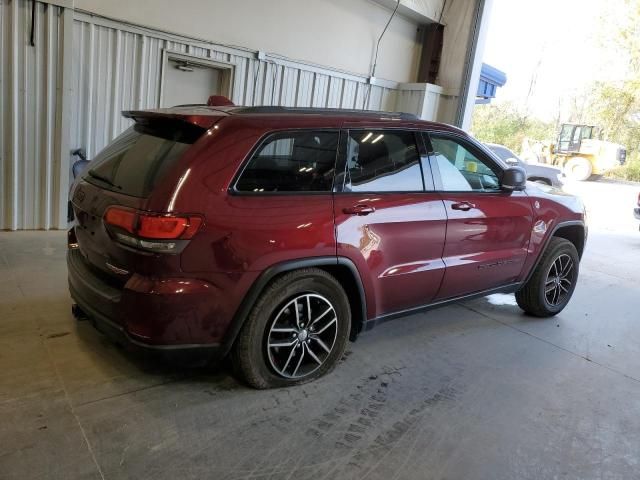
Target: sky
pixel 556 44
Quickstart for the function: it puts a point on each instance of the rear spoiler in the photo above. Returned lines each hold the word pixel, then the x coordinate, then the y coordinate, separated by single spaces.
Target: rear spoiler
pixel 171 125
pixel 205 118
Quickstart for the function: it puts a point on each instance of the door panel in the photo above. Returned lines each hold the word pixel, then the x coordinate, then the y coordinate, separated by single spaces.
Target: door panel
pixel 488 229
pixel 386 223
pixel 398 247
pixel 486 246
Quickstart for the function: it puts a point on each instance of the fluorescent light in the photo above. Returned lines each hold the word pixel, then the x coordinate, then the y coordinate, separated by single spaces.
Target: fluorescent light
pixel 377 138
pixel 367 137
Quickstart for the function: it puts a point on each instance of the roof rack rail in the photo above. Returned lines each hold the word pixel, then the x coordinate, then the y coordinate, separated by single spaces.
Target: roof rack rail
pixel 318 111
pixel 191 105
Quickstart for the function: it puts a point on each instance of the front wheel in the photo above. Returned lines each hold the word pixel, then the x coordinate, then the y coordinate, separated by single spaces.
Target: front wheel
pixel 579 168
pixel 553 281
pixel 296 332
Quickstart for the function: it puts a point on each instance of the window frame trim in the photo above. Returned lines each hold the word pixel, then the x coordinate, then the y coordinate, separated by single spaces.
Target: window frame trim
pixel 422 150
pixel 475 149
pixel 233 190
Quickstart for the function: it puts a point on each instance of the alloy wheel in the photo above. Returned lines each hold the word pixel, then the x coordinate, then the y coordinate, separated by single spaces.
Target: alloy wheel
pixel 302 336
pixel 559 280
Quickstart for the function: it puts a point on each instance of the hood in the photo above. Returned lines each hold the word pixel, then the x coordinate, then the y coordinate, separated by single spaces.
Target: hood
pixel 548 192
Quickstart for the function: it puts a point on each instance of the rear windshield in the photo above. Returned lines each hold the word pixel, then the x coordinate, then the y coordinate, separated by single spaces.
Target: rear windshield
pixel 136 160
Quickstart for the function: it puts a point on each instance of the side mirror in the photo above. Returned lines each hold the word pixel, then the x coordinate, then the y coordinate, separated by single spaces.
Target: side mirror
pixel 514 179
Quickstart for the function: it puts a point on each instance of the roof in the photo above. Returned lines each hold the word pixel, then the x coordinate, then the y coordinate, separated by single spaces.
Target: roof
pixel 205 116
pixel 321 111
pixel 493 75
pixel 490 79
pixel 202 109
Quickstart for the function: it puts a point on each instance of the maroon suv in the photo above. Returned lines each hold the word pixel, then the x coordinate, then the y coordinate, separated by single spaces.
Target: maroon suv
pixel 278 234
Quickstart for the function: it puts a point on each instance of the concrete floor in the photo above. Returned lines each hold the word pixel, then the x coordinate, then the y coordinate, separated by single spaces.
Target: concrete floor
pixel 475 390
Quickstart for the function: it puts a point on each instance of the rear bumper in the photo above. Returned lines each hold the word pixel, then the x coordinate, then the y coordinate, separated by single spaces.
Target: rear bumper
pixel 182 354
pixel 140 321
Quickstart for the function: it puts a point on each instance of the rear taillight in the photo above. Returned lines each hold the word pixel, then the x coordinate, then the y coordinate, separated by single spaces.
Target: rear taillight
pixel 639 199
pixel 155 232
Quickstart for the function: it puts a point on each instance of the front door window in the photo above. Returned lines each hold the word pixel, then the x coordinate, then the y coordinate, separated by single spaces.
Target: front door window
pixel 460 169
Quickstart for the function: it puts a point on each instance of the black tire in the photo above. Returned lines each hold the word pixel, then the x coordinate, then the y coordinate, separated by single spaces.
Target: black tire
pixel 253 359
pixel 578 168
pixel 533 298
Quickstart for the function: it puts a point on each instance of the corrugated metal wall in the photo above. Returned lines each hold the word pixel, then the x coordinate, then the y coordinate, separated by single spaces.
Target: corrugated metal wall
pixel 118 67
pixel 29 164
pixel 69 89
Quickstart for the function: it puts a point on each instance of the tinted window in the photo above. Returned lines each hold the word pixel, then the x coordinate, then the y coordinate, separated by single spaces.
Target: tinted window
pixel 461 170
pixel 135 161
pixel 381 161
pixel 292 162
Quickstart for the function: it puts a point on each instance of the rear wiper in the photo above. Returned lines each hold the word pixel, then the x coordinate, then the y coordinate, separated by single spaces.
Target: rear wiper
pixel 106 180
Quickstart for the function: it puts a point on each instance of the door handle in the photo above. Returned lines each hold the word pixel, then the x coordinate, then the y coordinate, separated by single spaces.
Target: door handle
pixel 464 206
pixel 359 210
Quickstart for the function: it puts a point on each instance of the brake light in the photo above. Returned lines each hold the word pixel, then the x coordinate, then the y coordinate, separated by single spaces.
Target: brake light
pixel 168 227
pixel 122 218
pixel 639 199
pixel 168 231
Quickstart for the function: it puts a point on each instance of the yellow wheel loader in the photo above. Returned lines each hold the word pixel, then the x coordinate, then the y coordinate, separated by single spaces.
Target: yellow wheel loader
pixel 581 153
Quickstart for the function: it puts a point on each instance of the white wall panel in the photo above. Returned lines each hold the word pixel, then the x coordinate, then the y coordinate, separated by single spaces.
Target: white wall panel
pixel 29 164
pixel 337 33
pixel 118 67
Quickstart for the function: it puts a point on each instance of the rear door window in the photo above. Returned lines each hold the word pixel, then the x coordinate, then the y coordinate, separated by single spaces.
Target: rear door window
pixel 136 160
pixel 381 161
pixel 300 161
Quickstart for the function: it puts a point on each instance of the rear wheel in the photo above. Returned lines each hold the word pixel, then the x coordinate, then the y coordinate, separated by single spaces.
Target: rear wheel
pixel 296 332
pixel 553 281
pixel 578 168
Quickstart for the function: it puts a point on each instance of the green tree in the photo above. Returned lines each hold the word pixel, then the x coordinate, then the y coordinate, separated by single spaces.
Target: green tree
pixel 505 124
pixel 615 105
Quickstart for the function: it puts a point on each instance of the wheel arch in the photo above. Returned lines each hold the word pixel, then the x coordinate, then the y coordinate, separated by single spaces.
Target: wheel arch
pixel 574 231
pixel 343 269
